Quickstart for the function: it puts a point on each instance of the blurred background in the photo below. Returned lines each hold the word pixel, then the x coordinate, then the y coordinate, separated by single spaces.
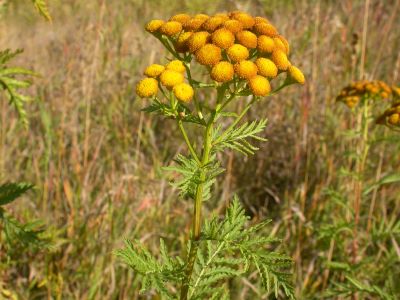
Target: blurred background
pixel 96 159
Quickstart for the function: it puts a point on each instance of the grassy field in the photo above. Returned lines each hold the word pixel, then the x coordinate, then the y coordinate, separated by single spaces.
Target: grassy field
pixel 96 159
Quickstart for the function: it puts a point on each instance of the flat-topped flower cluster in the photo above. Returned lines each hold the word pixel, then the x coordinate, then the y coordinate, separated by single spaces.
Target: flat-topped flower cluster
pixel 235 47
pixel 352 94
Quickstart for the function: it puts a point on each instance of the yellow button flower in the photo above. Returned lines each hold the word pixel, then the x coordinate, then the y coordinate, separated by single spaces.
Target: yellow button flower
pixel 170 78
pixel 260 20
pixel 222 72
pixel 259 86
pixel 237 53
pixel 246 69
pixel 394 119
pixel 212 23
pixel 265 29
pixel 176 65
pixel 246 20
pixel 223 38
pixel 181 18
pixel 209 55
pixel 193 24
pixel 154 70
pixel 147 87
pixel 197 40
pixel 154 25
pixel 233 26
pixel 171 28
pixel 265 44
pixel 285 43
pixel 296 74
pixel 280 59
pixel 183 92
pixel 247 39
pixel 181 44
pixel 266 67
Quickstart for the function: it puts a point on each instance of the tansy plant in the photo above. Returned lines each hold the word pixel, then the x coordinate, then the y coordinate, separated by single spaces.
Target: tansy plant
pixel 242 57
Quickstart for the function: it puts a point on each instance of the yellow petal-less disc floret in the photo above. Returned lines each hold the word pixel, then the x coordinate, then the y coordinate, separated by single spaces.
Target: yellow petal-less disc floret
pixel 296 74
pixel 233 26
pixel 147 87
pixel 394 119
pixel 171 28
pixel 246 69
pixel 246 20
pixel 193 24
pixel 266 67
pixel 260 20
pixel 247 39
pixel 259 86
pixel 181 44
pixel 154 25
pixel 197 40
pixel 212 23
pixel 176 65
pixel 208 55
pixel 224 16
pixel 265 29
pixel 285 43
pixel 170 78
pixel 183 92
pixel 280 59
pixel 223 38
pixel 279 44
pixel 237 53
pixel 181 18
pixel 222 72
pixel 154 70
pixel 265 44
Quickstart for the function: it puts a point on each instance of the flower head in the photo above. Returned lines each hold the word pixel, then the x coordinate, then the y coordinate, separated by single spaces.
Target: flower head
pixel 247 39
pixel 212 23
pixel 296 74
pixel 246 69
pixel 181 44
pixel 209 54
pixel 266 67
pixel 284 42
pixel 193 24
pixel 154 25
pixel 265 29
pixel 280 59
pixel 183 92
pixel 233 26
pixel 237 53
pixel 171 28
pixel 265 44
pixel 246 20
pixel 222 72
pixel 181 18
pixel 147 87
pixel 223 38
pixel 154 70
pixel 170 78
pixel 259 85
pixel 197 40
pixel 176 65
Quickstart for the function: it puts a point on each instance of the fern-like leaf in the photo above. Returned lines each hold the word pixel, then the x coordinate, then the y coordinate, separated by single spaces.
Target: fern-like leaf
pixel 237 138
pixel 9 192
pixel 42 7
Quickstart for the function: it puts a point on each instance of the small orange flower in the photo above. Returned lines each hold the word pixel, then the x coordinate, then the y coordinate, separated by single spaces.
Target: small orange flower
pixel 222 71
pixel 223 38
pixel 259 86
pixel 171 28
pixel 247 39
pixel 280 59
pixel 265 44
pixel 209 55
pixel 246 69
pixel 237 53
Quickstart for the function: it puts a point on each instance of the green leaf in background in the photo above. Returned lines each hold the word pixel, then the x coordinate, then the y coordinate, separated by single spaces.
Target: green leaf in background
pixel 41 6
pixel 391 178
pixel 11 191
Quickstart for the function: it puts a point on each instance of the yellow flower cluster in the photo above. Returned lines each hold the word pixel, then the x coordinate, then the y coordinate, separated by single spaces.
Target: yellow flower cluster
pixel 170 76
pixel 353 93
pixel 391 116
pixel 233 45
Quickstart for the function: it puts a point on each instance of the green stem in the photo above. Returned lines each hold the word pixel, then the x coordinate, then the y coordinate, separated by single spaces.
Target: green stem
pixel 196 226
pixel 185 136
